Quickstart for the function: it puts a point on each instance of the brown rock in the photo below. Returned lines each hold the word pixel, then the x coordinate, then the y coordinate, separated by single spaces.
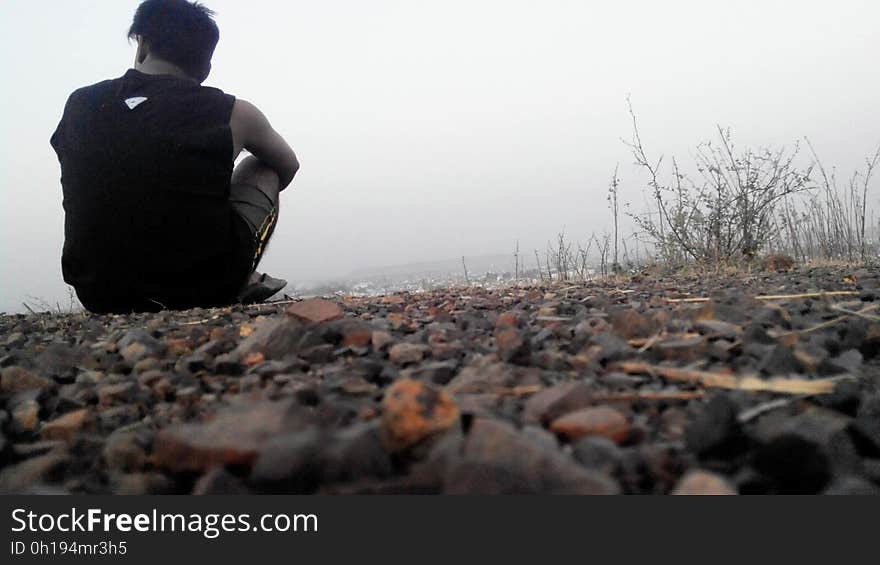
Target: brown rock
pixel 629 324
pixel 507 320
pixel 558 400
pixel 142 483
pixel 598 420
pixel 482 377
pixel 381 339
pixel 512 346
pixel 179 347
pixel 67 426
pixel 18 379
pixel 134 352
pixel 219 481
pixel 358 338
pixel 123 452
pixel 315 310
pixel 703 482
pixel 495 458
pixel 33 471
pixel 25 416
pixel 719 328
pixel 412 411
pixel 685 350
pixel 273 339
pixel 403 353
pixel 437 372
pixel 120 392
pixel 233 437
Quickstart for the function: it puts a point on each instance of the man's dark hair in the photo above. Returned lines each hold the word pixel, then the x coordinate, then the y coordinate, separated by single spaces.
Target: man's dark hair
pixel 178 31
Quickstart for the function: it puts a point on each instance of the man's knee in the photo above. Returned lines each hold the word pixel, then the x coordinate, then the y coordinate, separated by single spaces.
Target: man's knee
pixel 254 172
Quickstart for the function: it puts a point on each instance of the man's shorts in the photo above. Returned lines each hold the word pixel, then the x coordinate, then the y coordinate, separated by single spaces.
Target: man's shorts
pixel 258 213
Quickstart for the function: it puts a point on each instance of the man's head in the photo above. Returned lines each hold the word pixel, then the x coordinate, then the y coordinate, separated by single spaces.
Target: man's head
pixel 178 32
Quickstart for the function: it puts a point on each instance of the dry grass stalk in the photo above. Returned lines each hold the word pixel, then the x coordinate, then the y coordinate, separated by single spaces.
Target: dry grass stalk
pixel 732 382
pixel 808 295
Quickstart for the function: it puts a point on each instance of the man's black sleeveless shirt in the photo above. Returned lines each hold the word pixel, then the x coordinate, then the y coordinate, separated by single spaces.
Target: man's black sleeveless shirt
pixel 146 162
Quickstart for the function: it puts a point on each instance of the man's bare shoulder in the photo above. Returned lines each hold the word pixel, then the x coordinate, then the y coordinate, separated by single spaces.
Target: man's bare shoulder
pixel 245 113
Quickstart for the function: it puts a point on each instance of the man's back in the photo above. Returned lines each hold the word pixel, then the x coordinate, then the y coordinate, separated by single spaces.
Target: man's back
pixel 146 162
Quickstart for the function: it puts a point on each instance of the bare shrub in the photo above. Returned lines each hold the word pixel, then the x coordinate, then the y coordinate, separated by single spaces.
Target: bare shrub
pixel 728 212
pixel 833 224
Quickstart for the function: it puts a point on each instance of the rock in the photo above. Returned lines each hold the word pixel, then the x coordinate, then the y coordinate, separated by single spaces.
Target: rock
pixel 25 416
pixel 793 464
pixel 865 429
pixel 15 339
pixel 66 427
pixel 684 350
pixel 598 453
pixel 381 339
pixel 233 437
pixel 508 320
pixel 273 339
pixel 540 436
pixel 355 453
pixel 116 393
pixel 118 416
pixel 437 372
pixel 482 377
pixel 413 411
pixel 629 324
pixel 589 327
pixel 705 483
pixel 780 361
pixel 551 403
pixel 18 379
pixel 138 344
pixel 609 348
pixel 315 310
pixel 851 485
pixel 718 329
pixel 405 353
pixel 357 334
pixel 228 364
pixel 142 483
pixel 59 361
pixel 826 429
pixel 493 458
pixel 43 468
pixel 290 463
pixel 673 423
pixel 850 362
pixel 715 432
pixel 513 346
pixel 598 420
pixel 123 452
pixel 219 481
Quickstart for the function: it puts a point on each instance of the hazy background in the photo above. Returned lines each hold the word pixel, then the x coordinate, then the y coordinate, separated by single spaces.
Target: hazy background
pixel 435 129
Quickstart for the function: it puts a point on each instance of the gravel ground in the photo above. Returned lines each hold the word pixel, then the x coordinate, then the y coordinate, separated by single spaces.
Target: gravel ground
pixel 758 383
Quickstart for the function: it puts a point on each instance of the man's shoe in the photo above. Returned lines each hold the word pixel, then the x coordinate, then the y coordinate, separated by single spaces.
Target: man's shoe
pixel 259 288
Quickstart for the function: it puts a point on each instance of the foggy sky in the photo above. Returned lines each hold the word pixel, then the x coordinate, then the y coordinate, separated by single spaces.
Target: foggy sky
pixel 435 129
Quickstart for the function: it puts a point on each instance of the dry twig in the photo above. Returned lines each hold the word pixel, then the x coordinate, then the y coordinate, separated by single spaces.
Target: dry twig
pixel 720 380
pixel 807 295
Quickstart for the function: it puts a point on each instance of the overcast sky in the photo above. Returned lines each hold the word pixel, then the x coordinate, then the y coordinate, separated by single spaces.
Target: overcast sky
pixel 435 129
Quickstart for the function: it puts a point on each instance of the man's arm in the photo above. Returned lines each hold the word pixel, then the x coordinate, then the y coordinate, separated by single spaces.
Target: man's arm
pixel 252 131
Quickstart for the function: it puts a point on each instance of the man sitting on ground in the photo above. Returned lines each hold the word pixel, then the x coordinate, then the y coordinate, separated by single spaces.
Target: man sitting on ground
pixel 155 215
